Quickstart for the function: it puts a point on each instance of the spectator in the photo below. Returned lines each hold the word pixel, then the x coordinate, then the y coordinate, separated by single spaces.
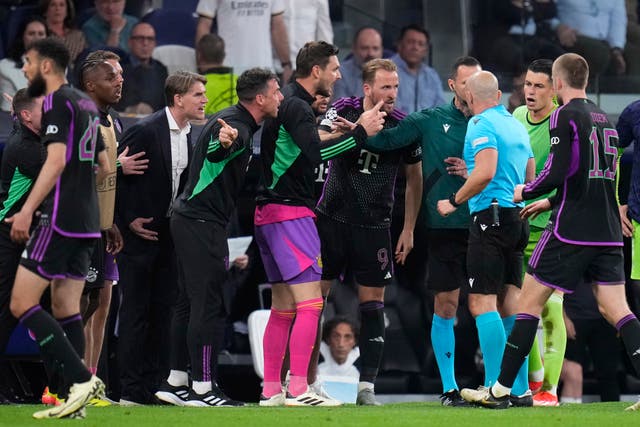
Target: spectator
pixel 339 348
pixel 306 20
pixel 11 76
pixel 597 31
pixel 221 82
pixel 144 76
pixel 251 30
pixel 109 26
pixel 512 33
pixel 60 16
pixel 420 85
pixel 632 48
pixel 367 45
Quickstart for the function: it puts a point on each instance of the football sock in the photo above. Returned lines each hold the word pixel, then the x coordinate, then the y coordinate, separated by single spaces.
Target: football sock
pixel 517 348
pixel 492 340
pixel 555 341
pixel 301 343
pixel 372 334
pixel 521 384
pixel 443 342
pixel 51 339
pixel 74 330
pixel 629 329
pixel 276 335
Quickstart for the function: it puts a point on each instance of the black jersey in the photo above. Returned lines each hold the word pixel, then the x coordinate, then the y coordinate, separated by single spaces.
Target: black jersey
pixel 582 168
pixel 71 118
pixel 21 163
pixel 217 174
pixel 359 188
pixel 291 149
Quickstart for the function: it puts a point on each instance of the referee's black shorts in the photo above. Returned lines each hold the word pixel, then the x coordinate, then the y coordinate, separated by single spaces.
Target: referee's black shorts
pixel 495 253
pixel 447 261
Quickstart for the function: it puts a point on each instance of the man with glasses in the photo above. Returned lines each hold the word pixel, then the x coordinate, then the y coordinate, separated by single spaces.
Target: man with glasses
pixel 145 76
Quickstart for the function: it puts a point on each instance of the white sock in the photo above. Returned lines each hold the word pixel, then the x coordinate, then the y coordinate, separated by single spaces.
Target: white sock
pixel 499 390
pixel 365 385
pixel 564 399
pixel 536 375
pixel 178 378
pixel 201 387
pixel 553 390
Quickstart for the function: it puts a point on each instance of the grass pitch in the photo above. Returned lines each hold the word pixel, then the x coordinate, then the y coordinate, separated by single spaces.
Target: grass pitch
pixel 390 415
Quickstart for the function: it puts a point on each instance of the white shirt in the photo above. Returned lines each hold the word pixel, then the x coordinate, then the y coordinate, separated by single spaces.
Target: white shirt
pixel 245 27
pixel 179 153
pixel 306 20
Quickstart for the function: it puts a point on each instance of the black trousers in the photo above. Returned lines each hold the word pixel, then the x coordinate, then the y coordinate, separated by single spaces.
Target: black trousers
pixel 200 314
pixel 148 290
pixel 9 259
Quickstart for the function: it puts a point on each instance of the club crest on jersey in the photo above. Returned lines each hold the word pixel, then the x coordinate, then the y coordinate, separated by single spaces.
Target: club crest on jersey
pixel 51 130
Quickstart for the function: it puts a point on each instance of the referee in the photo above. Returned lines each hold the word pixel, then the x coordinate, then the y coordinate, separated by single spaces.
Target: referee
pixel 497 153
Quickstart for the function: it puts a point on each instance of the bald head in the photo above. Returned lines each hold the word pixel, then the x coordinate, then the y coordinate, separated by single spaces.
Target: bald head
pixel 367 45
pixel 483 85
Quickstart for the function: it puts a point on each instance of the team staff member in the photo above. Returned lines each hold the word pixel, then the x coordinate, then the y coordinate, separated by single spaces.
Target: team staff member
pixel 584 230
pixel 198 226
pixel 440 131
pixel 59 251
pixel 148 276
pixel 284 219
pixel 355 216
pixel 498 156
pixel 21 162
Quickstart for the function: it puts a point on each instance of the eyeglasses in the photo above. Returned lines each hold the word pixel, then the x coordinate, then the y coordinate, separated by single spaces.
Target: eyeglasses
pixel 149 39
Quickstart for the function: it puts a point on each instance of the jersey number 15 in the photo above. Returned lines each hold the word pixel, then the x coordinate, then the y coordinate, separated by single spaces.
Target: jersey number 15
pixel 610 137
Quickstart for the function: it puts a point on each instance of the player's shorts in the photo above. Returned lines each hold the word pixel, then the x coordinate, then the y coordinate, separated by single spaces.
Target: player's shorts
pixel 494 255
pixel 103 267
pixel 447 261
pixel 562 266
pixel 366 252
pixel 53 256
pixel 635 251
pixel 290 251
pixel 534 236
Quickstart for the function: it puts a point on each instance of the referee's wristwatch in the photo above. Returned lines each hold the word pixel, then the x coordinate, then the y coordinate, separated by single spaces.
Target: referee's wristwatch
pixel 452 200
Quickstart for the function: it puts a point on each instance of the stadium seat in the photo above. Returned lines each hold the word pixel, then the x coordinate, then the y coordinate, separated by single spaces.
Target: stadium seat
pixel 176 57
pixel 15 18
pixel 257 323
pixel 173 26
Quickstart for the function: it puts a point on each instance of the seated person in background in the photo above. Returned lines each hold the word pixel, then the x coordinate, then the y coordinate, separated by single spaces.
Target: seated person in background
pixel 11 75
pixel 61 21
pixel 109 26
pixel 367 45
pixel 339 348
pixel 221 82
pixel 589 338
pixel 512 33
pixel 144 76
pixel 420 85
pixel 597 31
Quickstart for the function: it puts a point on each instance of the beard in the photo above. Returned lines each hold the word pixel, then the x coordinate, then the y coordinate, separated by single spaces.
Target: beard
pixel 37 87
